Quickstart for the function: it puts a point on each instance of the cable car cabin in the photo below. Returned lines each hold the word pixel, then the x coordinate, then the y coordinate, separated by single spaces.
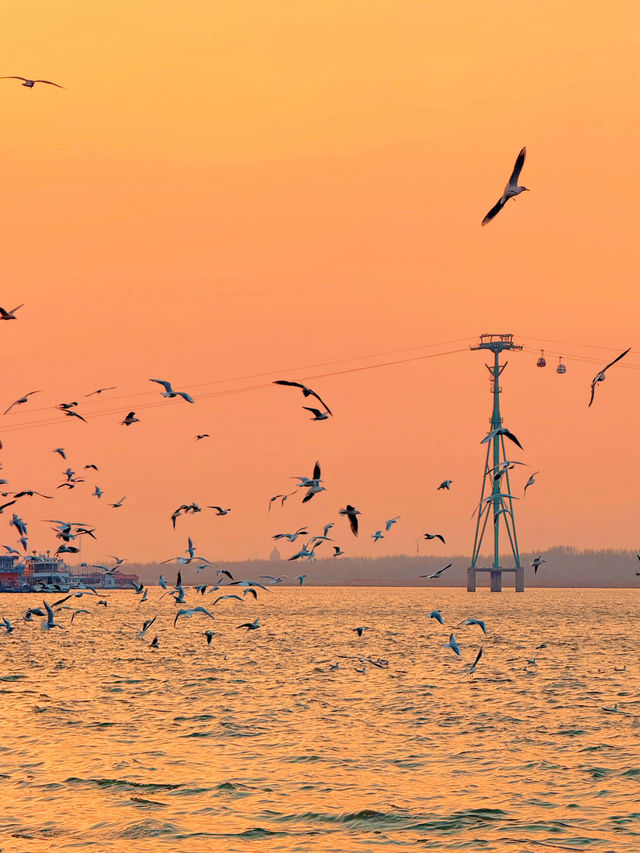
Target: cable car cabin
pixel 561 367
pixel 541 362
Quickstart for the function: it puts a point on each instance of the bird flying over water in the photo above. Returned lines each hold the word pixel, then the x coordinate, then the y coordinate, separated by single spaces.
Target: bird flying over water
pixel 308 392
pixel 600 376
pixel 453 644
pixel 352 514
pixel 169 392
pixel 437 615
pixel 436 575
pixel 190 612
pixel 361 629
pixel 538 561
pixel 512 189
pixel 472 666
pixel 250 626
pixel 26 81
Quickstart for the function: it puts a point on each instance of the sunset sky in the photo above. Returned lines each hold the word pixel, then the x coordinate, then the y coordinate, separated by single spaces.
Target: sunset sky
pixel 231 189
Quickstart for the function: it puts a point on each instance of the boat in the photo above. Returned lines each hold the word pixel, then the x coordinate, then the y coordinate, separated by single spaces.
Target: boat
pixel 47 572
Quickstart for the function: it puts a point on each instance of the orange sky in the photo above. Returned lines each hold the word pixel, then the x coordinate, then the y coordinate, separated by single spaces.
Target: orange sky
pixel 229 189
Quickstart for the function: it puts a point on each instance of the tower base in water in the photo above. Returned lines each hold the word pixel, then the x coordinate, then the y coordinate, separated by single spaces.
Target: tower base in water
pixel 496 578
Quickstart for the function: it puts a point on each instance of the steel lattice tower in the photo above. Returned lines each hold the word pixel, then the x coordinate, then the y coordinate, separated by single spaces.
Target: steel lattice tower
pixel 496 500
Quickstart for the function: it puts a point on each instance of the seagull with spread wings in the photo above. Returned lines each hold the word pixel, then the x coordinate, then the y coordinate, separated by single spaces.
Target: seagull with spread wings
pixel 308 392
pixel 512 189
pixel 10 315
pixel 600 376
pixel 169 392
pixel 26 81
pixel 20 401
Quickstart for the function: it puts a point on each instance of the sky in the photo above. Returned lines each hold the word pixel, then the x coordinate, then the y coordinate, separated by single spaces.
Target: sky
pixel 227 190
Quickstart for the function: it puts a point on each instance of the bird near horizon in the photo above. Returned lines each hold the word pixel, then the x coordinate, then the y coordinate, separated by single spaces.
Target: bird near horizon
pixel 250 626
pixel 600 376
pixel 352 514
pixel 10 315
pixel 390 522
pixel 377 535
pixel 30 83
pixel 537 562
pixel 307 392
pixel 512 189
pixel 435 536
pixel 437 615
pixel 20 401
pixel 436 575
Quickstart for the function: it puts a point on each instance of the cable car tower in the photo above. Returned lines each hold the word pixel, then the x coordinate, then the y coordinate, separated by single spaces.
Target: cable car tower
pixel 496 500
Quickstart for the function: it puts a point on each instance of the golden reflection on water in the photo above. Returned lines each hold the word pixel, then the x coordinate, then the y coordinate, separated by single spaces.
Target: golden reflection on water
pixel 253 743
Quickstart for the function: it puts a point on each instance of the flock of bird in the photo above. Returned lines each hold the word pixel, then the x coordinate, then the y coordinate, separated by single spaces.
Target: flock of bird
pixel 225 587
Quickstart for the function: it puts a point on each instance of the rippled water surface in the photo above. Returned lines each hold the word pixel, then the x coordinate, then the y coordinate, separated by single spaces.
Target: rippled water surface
pixel 252 743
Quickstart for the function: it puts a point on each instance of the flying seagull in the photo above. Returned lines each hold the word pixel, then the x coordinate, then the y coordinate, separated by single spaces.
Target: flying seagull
pixel 250 626
pixel 501 431
pixel 472 621
pixel 337 551
pixel 308 392
pixel 436 575
pixel 352 514
pixel 21 400
pixel 60 450
pixel 31 83
pixel 530 482
pixel 538 561
pixel 377 535
pixel 453 644
pixel 511 188
pixel 472 667
pixel 361 629
pixel 437 615
pixel 169 392
pixel 100 390
pixel 390 522
pixel 445 484
pixel 435 536
pixel 130 419
pixel 282 499
pixel 191 612
pixel 317 414
pixel 10 315
pixel 600 377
